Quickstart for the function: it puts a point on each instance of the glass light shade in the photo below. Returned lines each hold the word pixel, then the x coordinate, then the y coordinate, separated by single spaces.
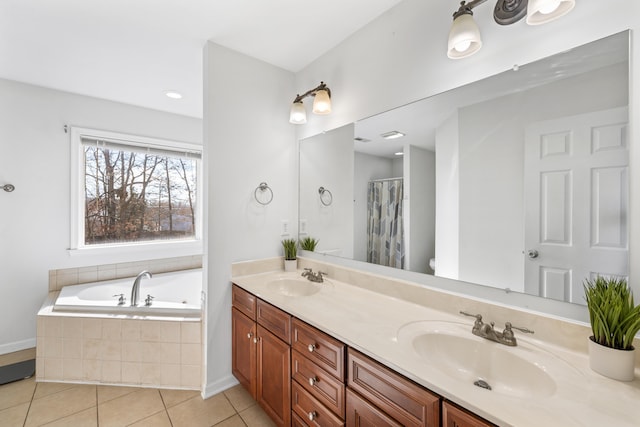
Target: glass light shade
pixel 322 102
pixel 543 11
pixel 464 37
pixel 298 115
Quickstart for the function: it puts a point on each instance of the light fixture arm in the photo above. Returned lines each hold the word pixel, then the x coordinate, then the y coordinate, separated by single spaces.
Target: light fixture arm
pixel 312 92
pixel 465 8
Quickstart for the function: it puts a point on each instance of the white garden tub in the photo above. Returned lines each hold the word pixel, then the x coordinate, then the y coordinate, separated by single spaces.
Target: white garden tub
pixel 174 294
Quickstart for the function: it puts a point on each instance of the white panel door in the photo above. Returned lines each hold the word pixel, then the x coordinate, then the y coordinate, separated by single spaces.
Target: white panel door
pixel 576 202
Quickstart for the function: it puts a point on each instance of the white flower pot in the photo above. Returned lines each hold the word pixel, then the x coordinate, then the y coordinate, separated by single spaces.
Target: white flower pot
pixel 615 364
pixel 290 265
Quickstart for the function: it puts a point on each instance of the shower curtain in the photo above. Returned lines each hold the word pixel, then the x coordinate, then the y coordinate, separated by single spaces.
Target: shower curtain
pixel 385 233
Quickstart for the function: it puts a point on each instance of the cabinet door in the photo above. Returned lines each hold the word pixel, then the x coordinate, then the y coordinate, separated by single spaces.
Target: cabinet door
pixel 452 416
pixel 243 350
pixel 361 413
pixel 274 377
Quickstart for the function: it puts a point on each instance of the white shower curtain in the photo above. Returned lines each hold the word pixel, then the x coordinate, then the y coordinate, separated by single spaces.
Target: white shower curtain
pixel 385 233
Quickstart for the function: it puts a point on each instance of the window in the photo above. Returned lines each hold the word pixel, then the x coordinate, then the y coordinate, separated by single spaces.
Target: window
pixel 133 190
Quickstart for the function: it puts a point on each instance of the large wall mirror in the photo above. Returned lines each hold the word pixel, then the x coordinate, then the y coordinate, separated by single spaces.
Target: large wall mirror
pixel 517 182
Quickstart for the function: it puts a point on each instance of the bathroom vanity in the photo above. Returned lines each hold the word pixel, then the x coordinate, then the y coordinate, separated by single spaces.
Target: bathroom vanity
pixel 338 353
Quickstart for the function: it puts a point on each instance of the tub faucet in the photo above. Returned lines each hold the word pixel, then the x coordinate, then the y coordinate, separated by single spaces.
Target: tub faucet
pixel 135 290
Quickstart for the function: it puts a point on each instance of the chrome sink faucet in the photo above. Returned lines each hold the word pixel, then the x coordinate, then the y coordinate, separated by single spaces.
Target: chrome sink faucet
pixel 486 330
pixel 313 277
pixel 135 290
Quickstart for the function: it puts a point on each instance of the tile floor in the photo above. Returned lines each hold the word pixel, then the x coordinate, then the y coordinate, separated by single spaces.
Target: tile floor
pixel 27 404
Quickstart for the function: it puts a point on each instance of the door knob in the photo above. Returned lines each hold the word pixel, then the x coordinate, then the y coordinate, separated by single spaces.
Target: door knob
pixel 532 253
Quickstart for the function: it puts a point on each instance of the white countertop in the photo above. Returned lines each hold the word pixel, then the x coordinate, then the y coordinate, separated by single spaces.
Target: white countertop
pixel 382 326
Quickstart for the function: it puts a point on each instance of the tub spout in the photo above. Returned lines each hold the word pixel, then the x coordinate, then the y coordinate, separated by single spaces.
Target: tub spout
pixel 135 290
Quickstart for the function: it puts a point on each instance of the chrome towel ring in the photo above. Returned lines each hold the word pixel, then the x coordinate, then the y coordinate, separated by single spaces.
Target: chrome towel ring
pixel 263 188
pixel 326 198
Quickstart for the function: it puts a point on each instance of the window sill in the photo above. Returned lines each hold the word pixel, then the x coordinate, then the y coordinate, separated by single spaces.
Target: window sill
pixel 142 250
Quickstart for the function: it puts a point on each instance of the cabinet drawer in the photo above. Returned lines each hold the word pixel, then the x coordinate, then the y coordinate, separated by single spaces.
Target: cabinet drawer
pixel 310 409
pixel 363 414
pixel 243 301
pixel 406 402
pixel 325 351
pixel 453 416
pixel 275 320
pixel 323 386
pixel 296 421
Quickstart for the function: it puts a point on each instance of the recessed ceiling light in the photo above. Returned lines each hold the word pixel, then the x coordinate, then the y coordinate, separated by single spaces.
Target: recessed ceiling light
pixel 173 94
pixel 392 135
pixel 399 153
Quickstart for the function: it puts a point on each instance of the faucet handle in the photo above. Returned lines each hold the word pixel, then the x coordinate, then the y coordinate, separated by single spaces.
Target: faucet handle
pixel 147 300
pixel 477 316
pixel 508 326
pixel 121 298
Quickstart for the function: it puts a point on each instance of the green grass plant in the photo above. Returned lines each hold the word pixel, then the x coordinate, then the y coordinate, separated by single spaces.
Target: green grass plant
pixel 308 244
pixel 615 320
pixel 290 247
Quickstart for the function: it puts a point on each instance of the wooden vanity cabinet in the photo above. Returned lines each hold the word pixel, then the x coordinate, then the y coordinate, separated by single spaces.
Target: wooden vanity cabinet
pixel 261 353
pixel 454 416
pixel 303 377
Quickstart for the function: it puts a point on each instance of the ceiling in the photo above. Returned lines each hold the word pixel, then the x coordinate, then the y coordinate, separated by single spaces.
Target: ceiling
pixel 132 51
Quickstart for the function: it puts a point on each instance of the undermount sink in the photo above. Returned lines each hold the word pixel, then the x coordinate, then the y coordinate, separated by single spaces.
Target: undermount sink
pixel 293 287
pixel 450 348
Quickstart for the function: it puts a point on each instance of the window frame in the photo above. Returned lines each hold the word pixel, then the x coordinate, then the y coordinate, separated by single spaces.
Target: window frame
pixel 77 195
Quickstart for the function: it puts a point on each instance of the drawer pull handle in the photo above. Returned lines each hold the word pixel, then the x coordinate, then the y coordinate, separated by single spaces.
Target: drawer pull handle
pixel 313 381
pixel 249 335
pixel 311 348
pixel 312 415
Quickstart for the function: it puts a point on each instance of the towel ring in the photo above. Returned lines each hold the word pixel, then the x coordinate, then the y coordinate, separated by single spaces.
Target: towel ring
pixel 262 188
pixel 326 198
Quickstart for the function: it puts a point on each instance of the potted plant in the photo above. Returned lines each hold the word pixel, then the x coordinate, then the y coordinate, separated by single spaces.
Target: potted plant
pixel 615 321
pixel 290 251
pixel 308 244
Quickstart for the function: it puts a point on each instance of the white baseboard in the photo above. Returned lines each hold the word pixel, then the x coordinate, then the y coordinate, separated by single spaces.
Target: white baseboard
pixel 17 346
pixel 219 386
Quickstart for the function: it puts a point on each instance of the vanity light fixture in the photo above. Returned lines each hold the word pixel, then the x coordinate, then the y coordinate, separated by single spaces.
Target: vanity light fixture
pixel 394 134
pixel 321 104
pixel 464 36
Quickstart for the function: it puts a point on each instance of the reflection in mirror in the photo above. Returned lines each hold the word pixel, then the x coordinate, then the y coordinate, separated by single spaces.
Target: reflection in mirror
pixel 518 181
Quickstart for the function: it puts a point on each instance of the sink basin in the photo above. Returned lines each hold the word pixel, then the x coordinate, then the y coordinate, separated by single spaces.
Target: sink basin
pixel 450 348
pixel 294 287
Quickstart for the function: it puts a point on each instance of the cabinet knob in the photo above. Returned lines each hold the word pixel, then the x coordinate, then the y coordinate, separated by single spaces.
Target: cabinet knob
pixel 249 335
pixel 313 381
pixel 311 348
pixel 312 415
pixel 255 340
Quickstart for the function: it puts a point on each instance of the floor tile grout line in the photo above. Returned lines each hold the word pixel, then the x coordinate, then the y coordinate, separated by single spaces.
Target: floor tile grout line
pixel 26 415
pixel 97 409
pixel 166 410
pixel 234 408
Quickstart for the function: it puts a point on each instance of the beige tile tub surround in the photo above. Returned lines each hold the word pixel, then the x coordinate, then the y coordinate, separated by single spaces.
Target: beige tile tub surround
pixel 149 353
pixel 367 311
pixel 75 276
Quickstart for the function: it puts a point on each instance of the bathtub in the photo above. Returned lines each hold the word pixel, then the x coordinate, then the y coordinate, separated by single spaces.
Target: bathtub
pixel 174 294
